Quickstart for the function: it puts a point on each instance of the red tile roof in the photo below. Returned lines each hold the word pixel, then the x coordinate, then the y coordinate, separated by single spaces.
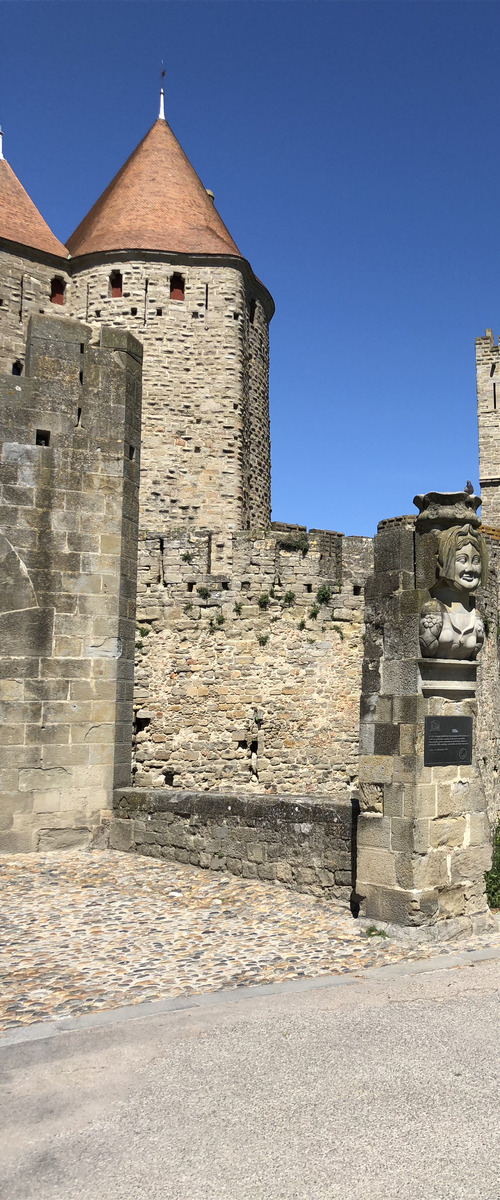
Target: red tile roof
pixel 20 220
pixel 155 202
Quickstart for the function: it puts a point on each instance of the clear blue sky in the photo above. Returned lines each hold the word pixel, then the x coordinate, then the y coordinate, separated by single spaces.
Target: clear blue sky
pixel 353 148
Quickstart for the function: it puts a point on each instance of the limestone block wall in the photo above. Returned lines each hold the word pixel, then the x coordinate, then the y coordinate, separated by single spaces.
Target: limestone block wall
pixel 488 419
pixel 299 843
pixel 250 679
pixel 25 280
pixel 69 463
pixel 488 683
pixel 205 434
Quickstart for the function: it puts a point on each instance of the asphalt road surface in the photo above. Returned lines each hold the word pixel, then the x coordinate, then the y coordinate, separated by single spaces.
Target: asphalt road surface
pixel 378 1086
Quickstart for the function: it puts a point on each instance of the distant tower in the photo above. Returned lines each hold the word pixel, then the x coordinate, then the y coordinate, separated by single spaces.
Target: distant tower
pixel 154 255
pixel 33 269
pixel 488 420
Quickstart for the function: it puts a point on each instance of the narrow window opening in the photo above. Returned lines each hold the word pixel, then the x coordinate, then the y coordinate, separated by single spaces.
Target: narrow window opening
pixel 80 376
pixel 176 287
pixel 57 290
pixel 169 778
pixel 494 395
pixel 79 419
pixel 236 316
pixel 21 298
pixel 253 306
pixel 133 312
pixel 17 367
pixel 1 302
pixel 42 437
pixel 493 368
pixel 146 290
pixel 116 285
pixel 131 453
pixel 82 347
pixel 206 295
pixel 309 587
pixel 97 312
pixel 159 312
pixel 190 586
pixel 243 745
pixel 356 591
pixel 225 585
pixel 197 449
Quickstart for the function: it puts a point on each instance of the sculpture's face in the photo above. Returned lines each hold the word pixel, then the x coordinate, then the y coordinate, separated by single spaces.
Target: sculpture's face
pixel 467 568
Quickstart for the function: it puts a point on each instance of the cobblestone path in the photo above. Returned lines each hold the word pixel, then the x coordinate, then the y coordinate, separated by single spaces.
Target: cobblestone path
pixel 83 931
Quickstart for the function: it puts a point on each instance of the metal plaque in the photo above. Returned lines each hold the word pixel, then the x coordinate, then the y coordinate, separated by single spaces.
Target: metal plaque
pixel 448 741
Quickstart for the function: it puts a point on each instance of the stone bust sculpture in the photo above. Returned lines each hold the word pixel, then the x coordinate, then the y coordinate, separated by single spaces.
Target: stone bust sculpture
pixel 450 626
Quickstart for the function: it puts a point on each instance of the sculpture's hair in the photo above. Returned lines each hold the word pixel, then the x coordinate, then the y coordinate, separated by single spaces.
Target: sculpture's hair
pixel 451 541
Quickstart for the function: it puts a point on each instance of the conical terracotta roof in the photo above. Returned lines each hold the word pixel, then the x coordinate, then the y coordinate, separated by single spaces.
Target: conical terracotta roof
pixel 20 220
pixel 155 202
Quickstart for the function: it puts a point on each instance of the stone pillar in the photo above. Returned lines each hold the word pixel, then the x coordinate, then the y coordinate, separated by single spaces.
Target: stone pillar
pixel 423 834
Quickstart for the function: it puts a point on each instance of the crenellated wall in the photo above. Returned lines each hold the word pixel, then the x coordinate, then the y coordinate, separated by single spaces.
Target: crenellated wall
pixel 249 678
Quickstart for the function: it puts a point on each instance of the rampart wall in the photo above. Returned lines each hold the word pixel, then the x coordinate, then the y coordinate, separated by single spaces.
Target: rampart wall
pixel 250 678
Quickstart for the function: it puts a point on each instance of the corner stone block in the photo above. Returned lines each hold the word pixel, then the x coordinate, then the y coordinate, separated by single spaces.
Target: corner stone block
pixel 121 834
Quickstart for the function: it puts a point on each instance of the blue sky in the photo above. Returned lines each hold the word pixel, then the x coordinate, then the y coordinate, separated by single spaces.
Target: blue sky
pixel 353 149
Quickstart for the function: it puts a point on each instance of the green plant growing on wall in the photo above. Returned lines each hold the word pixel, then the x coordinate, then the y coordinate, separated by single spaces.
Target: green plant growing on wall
pixel 323 594
pixel 294 541
pixel 311 641
pixel 188 607
pixel 288 599
pixel 263 639
pixel 301 624
pixel 313 612
pixel 220 618
pixel 339 630
pixel 487 627
pixel 187 557
pixel 203 592
pixel 274 619
pixel 263 600
pixel 492 878
pixel 238 608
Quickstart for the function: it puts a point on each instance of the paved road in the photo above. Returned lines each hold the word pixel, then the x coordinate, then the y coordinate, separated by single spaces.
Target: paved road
pixel 378 1086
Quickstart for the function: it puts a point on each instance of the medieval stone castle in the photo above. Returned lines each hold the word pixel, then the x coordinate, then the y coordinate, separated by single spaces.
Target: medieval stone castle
pixel 247 647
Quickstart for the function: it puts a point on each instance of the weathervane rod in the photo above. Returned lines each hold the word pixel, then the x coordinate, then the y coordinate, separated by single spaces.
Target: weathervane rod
pixel 161 114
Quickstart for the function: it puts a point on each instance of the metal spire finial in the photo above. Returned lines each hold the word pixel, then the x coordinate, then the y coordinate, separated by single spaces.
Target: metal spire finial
pixel 161 114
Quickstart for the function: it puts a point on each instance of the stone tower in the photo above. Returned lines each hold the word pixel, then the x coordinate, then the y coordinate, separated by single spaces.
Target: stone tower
pixel 154 256
pixel 488 420
pixel 33 269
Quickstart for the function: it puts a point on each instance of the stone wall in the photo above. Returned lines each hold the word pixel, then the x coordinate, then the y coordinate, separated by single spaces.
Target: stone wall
pixel 250 679
pixel 25 279
pixel 205 433
pixel 69 466
pixel 488 682
pixel 299 843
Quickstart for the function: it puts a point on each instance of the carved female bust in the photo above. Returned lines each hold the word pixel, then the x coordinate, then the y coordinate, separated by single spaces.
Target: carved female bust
pixel 450 626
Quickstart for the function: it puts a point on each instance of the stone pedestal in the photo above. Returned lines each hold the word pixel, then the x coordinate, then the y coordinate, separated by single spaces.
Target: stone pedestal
pixel 423 834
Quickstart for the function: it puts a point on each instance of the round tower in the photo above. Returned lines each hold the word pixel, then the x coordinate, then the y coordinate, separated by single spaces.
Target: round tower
pixel 153 254
pixel 33 268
